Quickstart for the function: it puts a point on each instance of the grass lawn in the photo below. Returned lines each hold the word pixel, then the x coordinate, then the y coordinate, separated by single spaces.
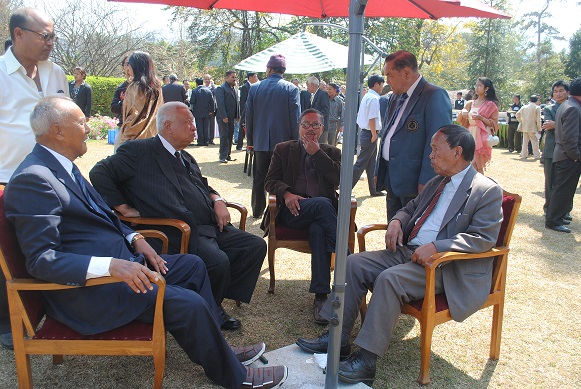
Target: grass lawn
pixel 541 345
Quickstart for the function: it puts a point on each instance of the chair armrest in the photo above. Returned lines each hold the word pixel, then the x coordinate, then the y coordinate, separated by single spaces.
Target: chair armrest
pixel 36 284
pixel 449 256
pixel 243 214
pixel 157 235
pixel 366 229
pixel 179 224
pixel 272 209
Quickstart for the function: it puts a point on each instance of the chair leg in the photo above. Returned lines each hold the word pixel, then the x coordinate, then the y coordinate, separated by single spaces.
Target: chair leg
pixel 425 349
pixel 159 364
pixel 332 261
pixel 246 161
pixel 271 250
pixel 238 303
pixel 363 309
pixel 497 314
pixel 250 164
pixel 57 359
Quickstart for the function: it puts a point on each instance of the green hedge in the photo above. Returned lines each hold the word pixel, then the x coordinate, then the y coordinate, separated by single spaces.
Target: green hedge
pixel 103 90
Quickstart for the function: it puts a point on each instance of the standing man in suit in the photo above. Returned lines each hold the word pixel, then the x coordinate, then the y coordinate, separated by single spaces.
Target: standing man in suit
pixel 514 137
pixel 209 83
pixel 156 178
pixel 202 105
pixel 68 234
pixel 265 128
pixel 80 91
pixel 529 118
pixel 228 111
pixel 459 210
pixel 560 92
pixel 26 74
pixel 251 79
pixel 319 100
pixel 566 158
pixel 416 110
pixel 174 91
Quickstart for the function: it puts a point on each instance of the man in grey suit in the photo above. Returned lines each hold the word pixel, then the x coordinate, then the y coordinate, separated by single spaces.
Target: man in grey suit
pixel 458 210
pixel 174 91
pixel 227 113
pixel 202 106
pixel 251 79
pixel 272 116
pixel 416 110
pixel 155 177
pixel 566 158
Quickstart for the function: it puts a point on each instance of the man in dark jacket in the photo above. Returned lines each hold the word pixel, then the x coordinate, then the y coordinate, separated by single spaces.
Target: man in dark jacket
pixel 227 113
pixel 202 105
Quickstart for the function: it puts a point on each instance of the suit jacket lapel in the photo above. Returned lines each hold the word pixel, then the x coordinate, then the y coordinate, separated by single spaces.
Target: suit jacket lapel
pixel 163 160
pixel 460 197
pixel 413 99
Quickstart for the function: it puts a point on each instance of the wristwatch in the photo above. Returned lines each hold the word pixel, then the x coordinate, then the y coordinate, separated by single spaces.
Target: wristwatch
pixel 135 238
pixel 219 199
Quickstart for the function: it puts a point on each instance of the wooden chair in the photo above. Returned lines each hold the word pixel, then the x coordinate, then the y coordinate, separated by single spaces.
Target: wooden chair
pixel 280 236
pixel 433 308
pixel 56 339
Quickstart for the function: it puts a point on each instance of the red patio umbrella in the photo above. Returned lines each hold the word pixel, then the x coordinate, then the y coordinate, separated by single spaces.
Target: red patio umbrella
pixel 355 10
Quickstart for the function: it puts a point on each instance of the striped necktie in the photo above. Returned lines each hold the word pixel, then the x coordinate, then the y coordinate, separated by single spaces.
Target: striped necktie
pixel 401 100
pixel 428 210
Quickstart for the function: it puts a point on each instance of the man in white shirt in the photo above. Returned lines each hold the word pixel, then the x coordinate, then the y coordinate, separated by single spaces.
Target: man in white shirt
pixel 369 122
pixel 26 75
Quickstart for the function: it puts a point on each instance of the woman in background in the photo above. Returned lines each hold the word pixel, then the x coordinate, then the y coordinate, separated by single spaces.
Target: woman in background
pixel 142 99
pixel 482 113
pixel 80 91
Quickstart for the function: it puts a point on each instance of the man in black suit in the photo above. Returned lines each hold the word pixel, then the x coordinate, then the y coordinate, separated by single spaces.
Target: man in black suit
pixel 251 78
pixel 174 91
pixel 320 102
pixel 68 235
pixel 227 112
pixel 202 105
pixel 146 178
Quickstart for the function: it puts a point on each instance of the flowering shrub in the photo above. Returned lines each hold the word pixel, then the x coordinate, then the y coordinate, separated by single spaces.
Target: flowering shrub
pixel 100 125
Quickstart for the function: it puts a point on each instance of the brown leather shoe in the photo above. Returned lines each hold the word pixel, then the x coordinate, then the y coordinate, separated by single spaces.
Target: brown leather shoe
pixel 317 306
pixel 248 354
pixel 267 377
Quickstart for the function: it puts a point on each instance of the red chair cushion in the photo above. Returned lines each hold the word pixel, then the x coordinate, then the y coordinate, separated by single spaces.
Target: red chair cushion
pixel 507 206
pixel 55 330
pixel 285 233
pixel 441 303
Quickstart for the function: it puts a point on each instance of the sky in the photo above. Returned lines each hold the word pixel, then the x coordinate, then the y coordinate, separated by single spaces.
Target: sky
pixel 565 16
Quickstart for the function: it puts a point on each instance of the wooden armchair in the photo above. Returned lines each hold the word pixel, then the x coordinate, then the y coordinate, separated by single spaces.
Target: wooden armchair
pixel 280 236
pixel 433 308
pixel 56 339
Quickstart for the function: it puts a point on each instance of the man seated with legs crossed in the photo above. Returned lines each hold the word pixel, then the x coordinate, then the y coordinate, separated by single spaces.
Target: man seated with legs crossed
pixel 157 178
pixel 68 234
pixel 304 176
pixel 458 210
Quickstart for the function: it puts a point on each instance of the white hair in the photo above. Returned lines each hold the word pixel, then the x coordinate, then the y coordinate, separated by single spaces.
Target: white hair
pixel 47 112
pixel 313 80
pixel 166 113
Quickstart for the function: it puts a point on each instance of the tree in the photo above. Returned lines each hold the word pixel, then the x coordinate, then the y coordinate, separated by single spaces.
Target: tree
pixel 573 66
pixel 95 35
pixel 6 9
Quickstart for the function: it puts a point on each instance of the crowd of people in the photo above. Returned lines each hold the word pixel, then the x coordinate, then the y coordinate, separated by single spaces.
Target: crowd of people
pixel 428 168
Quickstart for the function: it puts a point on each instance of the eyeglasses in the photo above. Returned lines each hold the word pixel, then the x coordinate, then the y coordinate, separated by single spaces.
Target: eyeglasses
pixel 315 125
pixel 44 35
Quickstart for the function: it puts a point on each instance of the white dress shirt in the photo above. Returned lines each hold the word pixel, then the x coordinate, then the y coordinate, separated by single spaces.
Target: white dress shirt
pixel 369 109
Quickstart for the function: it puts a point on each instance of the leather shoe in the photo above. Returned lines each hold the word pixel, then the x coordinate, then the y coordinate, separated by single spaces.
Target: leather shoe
pixel 560 228
pixel 317 306
pixel 248 354
pixel 319 345
pixel 565 222
pixel 223 161
pixel 377 194
pixel 229 158
pixel 568 217
pixel 6 341
pixel 268 377
pixel 355 370
pixel 228 322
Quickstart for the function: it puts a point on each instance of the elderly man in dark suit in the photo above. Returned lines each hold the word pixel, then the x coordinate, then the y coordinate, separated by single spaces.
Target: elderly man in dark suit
pixel 304 176
pixel 251 79
pixel 68 235
pixel 267 127
pixel 227 113
pixel 157 178
pixel 319 100
pixel 202 105
pixel 458 210
pixel 416 110
pixel 174 91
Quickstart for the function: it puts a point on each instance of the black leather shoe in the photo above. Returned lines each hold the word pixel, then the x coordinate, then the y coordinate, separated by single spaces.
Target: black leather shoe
pixel 355 370
pixel 319 345
pixel 6 341
pixel 560 228
pixel 229 158
pixel 228 322
pixel 317 306
pixel 223 161
pixel 568 217
pixel 565 222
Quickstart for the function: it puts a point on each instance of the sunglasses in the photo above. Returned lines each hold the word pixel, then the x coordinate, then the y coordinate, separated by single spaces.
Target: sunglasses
pixel 44 35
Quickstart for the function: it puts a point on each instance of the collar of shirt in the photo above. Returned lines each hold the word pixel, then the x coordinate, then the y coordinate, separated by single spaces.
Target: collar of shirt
pixel 66 163
pixel 167 145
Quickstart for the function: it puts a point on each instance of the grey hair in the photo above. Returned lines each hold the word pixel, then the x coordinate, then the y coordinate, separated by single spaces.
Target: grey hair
pixel 167 112
pixel 313 80
pixel 47 112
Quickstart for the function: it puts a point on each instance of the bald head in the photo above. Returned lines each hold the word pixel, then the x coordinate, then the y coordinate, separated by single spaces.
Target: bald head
pixel 33 37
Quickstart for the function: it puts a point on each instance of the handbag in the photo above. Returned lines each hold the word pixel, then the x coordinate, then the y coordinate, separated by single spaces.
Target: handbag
pixel 492 140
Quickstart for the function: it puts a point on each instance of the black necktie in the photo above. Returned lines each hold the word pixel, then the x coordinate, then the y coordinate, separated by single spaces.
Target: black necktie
pixel 400 102
pixel 180 158
pixel 83 185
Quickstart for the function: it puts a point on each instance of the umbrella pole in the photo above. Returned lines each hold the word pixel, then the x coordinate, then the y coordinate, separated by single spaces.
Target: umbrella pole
pixel 356 14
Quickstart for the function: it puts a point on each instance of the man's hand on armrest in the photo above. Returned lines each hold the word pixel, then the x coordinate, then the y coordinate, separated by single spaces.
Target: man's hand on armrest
pixel 135 275
pixel 127 211
pixel 423 254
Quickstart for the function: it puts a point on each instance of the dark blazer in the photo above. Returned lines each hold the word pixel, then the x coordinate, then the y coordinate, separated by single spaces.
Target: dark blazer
pixel 550 112
pixel 568 131
pixel 59 233
pixel 202 102
pixel 244 89
pixel 471 225
pixel 321 104
pixel 282 173
pixel 427 110
pixel 227 102
pixel 305 97
pixel 144 169
pixel 174 91
pixel 84 98
pixel 272 113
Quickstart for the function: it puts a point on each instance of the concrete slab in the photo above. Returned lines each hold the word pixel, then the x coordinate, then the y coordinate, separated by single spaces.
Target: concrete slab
pixel 303 371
